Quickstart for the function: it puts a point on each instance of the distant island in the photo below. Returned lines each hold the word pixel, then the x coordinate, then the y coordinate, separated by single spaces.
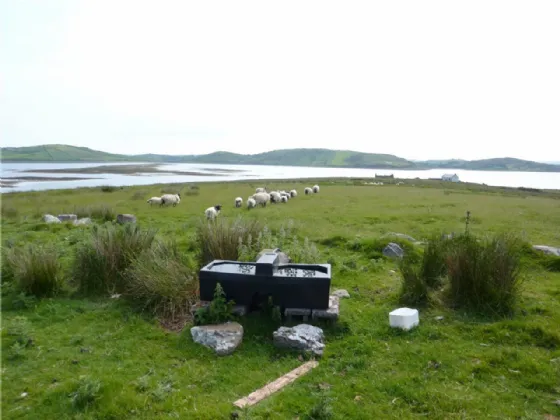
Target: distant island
pixel 288 157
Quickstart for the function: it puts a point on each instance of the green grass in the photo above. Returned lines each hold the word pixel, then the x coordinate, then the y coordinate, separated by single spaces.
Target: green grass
pixel 98 357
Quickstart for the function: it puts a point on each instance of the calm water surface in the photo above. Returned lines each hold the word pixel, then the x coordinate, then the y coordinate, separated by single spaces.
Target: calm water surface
pixel 542 180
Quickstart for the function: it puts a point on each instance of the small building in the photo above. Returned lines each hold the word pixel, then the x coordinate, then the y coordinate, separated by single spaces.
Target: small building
pixel 450 177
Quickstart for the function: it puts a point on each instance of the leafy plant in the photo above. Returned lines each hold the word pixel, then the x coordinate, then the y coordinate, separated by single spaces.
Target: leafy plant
pixel 86 393
pixel 219 310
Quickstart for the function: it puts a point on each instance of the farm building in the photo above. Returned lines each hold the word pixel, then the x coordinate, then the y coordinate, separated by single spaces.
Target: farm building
pixel 450 177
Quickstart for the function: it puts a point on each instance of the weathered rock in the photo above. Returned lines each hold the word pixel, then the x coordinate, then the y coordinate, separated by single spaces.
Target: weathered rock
pixel 393 250
pixel 222 338
pixel 83 221
pixel 66 217
pixel 549 250
pixel 49 218
pixel 400 236
pixel 341 293
pixel 282 256
pixel 301 337
pixel 126 218
pixel 331 313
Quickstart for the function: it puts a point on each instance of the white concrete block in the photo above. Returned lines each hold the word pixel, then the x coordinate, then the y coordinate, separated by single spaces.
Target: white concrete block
pixel 404 318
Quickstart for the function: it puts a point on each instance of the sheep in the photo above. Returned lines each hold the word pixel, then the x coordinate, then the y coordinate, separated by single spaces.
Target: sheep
pixel 260 190
pixel 212 212
pixel 238 202
pixel 285 194
pixel 293 193
pixel 261 198
pixel 284 199
pixel 154 200
pixel 251 203
pixel 315 189
pixel 308 191
pixel 170 199
pixel 275 197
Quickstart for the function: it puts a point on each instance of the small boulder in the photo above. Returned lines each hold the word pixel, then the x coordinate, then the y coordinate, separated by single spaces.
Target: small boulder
pixel 393 250
pixel 341 293
pixel 222 338
pixel 126 218
pixel 83 221
pixel 67 217
pixel 301 337
pixel 49 218
pixel 549 250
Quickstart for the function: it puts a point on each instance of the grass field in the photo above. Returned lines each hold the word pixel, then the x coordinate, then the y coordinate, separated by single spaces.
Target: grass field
pixel 462 366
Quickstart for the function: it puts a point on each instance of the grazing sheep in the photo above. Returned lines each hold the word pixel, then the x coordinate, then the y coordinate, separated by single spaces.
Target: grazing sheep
pixel 260 190
pixel 173 199
pixel 284 199
pixel 275 197
pixel 261 198
pixel 213 212
pixel 293 193
pixel 238 202
pixel 285 194
pixel 315 189
pixel 308 191
pixel 154 200
pixel 251 203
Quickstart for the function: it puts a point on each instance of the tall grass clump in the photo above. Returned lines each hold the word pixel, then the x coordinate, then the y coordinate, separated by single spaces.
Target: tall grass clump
pixel 102 213
pixel 433 263
pixel 414 290
pixel 108 188
pixel 163 281
pixel 35 269
pixel 219 239
pixel 101 262
pixel 484 274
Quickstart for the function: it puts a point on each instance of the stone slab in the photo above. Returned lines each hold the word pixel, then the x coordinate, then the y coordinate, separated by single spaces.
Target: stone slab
pixel 331 313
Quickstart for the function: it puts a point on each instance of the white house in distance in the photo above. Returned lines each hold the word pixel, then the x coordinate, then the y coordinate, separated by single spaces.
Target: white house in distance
pixel 450 177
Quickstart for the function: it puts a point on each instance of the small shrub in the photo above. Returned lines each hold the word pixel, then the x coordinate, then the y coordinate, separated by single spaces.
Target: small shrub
pixel 433 267
pixel 161 279
pixel 108 188
pixel 485 274
pixel 321 411
pixel 87 392
pixel 414 290
pixel 162 390
pixel 218 311
pixel 100 264
pixel 35 269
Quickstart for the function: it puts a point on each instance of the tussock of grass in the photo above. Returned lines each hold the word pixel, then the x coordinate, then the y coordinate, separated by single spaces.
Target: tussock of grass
pixel 100 263
pixel 162 280
pixel 102 213
pixel 86 393
pixel 414 290
pixel 35 269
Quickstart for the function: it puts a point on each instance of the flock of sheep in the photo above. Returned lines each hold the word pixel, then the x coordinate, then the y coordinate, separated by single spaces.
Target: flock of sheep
pixel 261 197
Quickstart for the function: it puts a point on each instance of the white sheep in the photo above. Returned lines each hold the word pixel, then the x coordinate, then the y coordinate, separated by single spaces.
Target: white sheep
pixel 173 199
pixel 251 203
pixel 154 200
pixel 260 190
pixel 284 199
pixel 308 191
pixel 213 212
pixel 261 198
pixel 275 197
pixel 285 194
pixel 315 189
pixel 238 202
pixel 293 193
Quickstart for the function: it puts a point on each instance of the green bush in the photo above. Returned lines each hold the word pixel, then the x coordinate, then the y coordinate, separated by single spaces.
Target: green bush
pixel 433 265
pixel 34 269
pixel 219 310
pixel 219 240
pixel 485 274
pixel 414 290
pixel 108 188
pixel 101 262
pixel 162 280
pixel 86 393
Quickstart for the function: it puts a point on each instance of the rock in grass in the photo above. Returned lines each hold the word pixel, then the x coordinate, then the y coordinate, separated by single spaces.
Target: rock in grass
pixel 393 250
pixel 67 217
pixel 341 293
pixel 222 338
pixel 301 337
pixel 126 218
pixel 49 218
pixel 83 221
pixel 549 250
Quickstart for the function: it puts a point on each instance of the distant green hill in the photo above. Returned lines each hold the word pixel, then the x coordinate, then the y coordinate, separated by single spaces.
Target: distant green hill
pixel 288 157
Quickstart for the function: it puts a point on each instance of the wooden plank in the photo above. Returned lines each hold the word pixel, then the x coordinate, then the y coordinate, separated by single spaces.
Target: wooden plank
pixel 278 384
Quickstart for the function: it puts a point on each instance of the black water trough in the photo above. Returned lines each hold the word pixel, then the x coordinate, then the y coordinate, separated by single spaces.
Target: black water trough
pixel 248 283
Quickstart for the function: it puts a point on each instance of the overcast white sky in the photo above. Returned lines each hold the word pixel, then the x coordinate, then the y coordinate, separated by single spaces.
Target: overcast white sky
pixel 419 79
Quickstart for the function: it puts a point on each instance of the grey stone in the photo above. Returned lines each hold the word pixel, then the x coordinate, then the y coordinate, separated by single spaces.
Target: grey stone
pixel 83 221
pixel 303 312
pixel 66 217
pixel 126 218
pixel 282 256
pixel 341 293
pixel 49 218
pixel 331 313
pixel 222 338
pixel 393 250
pixel 301 337
pixel 400 235
pixel 549 250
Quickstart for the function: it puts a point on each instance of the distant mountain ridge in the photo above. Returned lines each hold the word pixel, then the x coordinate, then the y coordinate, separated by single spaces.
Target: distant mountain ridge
pixel 287 157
